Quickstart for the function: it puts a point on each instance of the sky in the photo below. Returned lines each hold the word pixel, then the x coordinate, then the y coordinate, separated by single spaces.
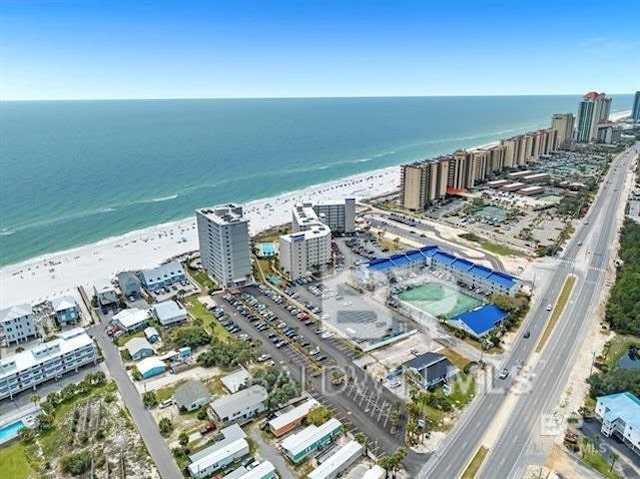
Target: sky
pixel 92 49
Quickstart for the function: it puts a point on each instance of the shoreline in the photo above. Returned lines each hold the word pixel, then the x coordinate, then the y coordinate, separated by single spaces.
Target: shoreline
pixel 52 274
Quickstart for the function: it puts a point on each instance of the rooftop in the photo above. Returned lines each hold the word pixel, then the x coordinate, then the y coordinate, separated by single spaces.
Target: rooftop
pixel 218 455
pixel 224 214
pixel 292 415
pixel 66 342
pixel 168 310
pixel 134 345
pixel 147 364
pixel 226 406
pixel 235 380
pixel 623 406
pixel 229 434
pixel 14 312
pixel 190 392
pixel 131 317
pixel 296 443
pixel 334 462
pixel 62 303
pixel 482 319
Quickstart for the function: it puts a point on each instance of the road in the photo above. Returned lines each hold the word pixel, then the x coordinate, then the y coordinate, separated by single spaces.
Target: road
pixel 592 241
pixel 145 423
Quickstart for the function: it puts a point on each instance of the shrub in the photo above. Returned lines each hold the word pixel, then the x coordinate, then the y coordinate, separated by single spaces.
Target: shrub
pixel 76 464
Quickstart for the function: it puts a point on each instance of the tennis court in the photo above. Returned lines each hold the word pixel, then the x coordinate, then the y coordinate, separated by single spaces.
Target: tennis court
pixel 437 299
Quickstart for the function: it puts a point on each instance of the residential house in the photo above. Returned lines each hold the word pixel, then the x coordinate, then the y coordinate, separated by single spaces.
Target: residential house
pixel 139 348
pixel 17 324
pixel 192 395
pixel 169 313
pixel 131 319
pixel 620 417
pixel 241 406
pixel 129 285
pixel 429 370
pixel 162 276
pixel 65 309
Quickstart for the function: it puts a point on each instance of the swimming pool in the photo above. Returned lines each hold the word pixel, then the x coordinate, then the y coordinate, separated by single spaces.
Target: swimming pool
pixel 267 249
pixel 10 430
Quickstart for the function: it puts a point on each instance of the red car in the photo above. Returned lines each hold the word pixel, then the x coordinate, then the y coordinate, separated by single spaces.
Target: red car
pixel 207 428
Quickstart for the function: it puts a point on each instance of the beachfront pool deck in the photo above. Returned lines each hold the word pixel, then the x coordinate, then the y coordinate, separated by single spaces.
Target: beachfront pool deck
pixel 437 299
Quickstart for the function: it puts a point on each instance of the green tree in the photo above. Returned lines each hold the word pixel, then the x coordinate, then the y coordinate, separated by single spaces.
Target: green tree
pixel 183 439
pixel 76 464
pixel 149 399
pixel 44 421
pixel 26 434
pixel 318 415
pixel 166 426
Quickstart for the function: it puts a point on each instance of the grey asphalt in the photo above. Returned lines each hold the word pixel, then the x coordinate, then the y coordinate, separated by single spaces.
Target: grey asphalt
pixel 551 372
pixel 144 422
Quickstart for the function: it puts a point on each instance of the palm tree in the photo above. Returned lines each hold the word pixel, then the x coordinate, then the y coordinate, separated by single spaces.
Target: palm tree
pixel 614 456
pixel 35 398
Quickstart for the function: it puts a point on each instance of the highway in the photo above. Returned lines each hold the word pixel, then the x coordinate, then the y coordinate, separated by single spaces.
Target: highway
pixel 591 242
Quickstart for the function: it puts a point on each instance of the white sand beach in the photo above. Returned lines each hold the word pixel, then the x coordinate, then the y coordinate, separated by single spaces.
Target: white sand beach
pixel 53 274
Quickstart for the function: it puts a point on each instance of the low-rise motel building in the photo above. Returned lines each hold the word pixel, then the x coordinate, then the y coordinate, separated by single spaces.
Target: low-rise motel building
pixel 338 462
pixel 298 446
pixel 289 420
pixel 72 349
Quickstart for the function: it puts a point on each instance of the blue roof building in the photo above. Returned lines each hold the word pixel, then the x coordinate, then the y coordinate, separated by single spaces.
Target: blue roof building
pixel 161 276
pixel 470 274
pixel 620 416
pixel 480 321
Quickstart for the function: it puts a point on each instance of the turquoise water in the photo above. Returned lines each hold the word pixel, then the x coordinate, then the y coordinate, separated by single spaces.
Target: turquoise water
pixel 10 430
pixel 72 173
pixel 267 249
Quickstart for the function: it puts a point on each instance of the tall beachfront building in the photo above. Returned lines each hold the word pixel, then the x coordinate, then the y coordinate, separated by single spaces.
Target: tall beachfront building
pixel 635 114
pixel 308 248
pixel 223 233
pixel 562 125
pixel 423 183
pixel 594 108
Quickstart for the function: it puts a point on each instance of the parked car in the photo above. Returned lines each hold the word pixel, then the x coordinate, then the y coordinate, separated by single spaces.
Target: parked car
pixel 166 403
pixel 207 428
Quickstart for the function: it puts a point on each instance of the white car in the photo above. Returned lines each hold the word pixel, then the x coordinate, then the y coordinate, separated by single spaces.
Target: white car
pixel 549 307
pixel 166 403
pixel 395 384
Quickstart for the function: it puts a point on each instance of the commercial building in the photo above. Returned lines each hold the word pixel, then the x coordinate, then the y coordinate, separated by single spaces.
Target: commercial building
pixel 162 276
pixel 65 309
pixel 26 370
pixel 497 183
pixel 594 108
pixel 241 406
pixel 139 348
pixel 192 395
pixel 17 324
pixel 620 417
pixel 338 462
pixel 339 216
pixel 129 285
pixel 151 366
pixel 536 178
pixel 131 319
pixel 291 419
pixel 562 126
pixel 424 182
pixel 514 175
pixel 230 435
pixel 308 248
pixel 511 187
pixel 635 113
pixel 429 370
pixel 169 313
pixel 223 234
pixel 219 458
pixel 298 446
pixel 105 294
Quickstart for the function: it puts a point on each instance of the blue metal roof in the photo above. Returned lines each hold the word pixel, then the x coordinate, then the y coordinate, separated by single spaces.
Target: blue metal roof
pixel 429 250
pixel 414 255
pixel 462 264
pixel 444 257
pixel 481 320
pixel 481 271
pixel 380 264
pixel 502 279
pixel 400 260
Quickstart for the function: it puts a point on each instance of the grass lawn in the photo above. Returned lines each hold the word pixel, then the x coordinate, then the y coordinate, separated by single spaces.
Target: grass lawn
pixel 165 393
pixel 202 279
pixel 472 469
pixel 595 460
pixel 122 340
pixel 489 246
pixel 14 462
pixel 557 311
pixel 198 310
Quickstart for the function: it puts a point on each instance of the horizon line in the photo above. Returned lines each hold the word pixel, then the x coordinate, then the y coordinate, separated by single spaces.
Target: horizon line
pixel 328 97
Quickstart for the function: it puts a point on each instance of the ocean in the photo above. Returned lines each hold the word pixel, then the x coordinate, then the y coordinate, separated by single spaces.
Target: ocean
pixel 73 173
